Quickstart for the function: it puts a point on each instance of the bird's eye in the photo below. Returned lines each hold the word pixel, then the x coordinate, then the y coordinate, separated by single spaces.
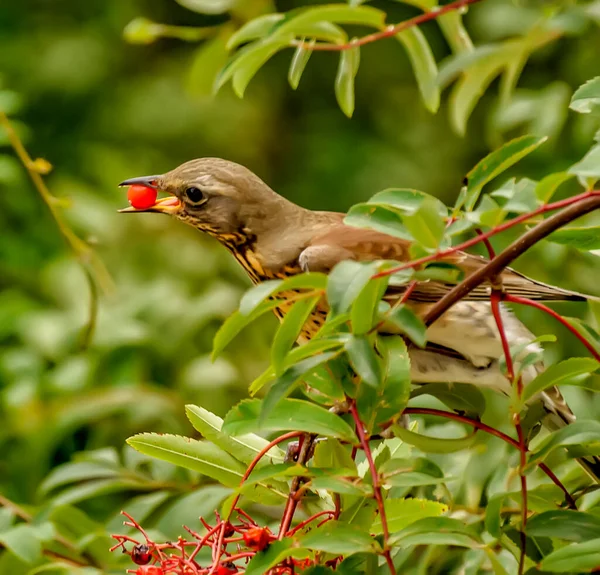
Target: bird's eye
pixel 194 194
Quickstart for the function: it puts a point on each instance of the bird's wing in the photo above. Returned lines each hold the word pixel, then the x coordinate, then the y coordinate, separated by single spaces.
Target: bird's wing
pixel 343 242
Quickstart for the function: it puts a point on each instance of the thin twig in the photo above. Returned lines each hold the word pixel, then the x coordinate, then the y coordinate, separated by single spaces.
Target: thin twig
pixel 388 31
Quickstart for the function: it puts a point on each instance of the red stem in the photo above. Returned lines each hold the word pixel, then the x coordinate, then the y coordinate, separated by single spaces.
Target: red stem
pixel 390 30
pixel 556 316
pixel 479 238
pixel 307 521
pixel 364 442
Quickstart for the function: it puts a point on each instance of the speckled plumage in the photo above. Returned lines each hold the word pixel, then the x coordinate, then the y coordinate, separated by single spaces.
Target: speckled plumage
pixel 272 237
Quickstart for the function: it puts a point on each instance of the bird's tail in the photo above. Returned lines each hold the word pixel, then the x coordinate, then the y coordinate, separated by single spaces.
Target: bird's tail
pixel 559 416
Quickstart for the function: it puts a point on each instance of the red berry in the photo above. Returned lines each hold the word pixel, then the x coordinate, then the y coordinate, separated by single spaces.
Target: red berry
pixel 141 197
pixel 258 538
pixel 149 570
pixel 141 555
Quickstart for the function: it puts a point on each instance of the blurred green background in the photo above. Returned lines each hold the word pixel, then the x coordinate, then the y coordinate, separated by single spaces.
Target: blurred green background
pixel 101 109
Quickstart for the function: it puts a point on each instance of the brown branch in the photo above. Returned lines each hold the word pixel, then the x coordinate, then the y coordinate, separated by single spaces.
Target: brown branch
pixel 585 205
pixel 388 31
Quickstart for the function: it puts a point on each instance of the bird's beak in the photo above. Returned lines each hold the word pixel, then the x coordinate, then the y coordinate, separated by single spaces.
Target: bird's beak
pixel 168 205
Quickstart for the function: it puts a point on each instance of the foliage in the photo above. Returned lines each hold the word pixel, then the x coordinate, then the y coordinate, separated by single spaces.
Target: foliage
pixel 449 504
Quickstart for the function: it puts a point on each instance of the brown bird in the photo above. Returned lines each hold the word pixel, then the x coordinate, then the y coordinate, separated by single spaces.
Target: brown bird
pixel 272 237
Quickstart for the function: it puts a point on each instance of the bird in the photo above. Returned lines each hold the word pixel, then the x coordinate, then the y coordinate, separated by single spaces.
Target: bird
pixel 273 238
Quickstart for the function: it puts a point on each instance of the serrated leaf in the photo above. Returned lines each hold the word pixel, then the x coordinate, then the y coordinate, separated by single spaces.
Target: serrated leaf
pixel 558 373
pixel 290 329
pixel 288 414
pixel 496 163
pixel 364 360
pixel 423 65
pixel 344 80
pixel 243 447
pixel 298 64
pixel 578 557
pixel 402 512
pixel 201 456
pixel 586 98
pixel 408 200
pixel 339 539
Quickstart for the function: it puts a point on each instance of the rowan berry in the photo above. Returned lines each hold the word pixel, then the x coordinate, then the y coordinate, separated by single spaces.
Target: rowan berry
pixel 258 538
pixel 141 555
pixel 141 197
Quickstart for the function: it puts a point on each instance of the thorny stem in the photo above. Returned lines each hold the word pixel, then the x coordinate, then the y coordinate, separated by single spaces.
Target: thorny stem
pixel 495 298
pixel 388 31
pixel 525 301
pixel 364 442
pixel 492 431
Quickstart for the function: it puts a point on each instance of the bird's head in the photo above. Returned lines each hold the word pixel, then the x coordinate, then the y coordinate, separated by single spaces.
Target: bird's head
pixel 213 195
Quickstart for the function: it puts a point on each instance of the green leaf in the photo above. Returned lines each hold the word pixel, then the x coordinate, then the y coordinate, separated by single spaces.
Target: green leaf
pixel 276 552
pixel 288 414
pixel 578 558
pixel 496 163
pixel 243 447
pixel 579 432
pixel 236 322
pixel 290 329
pixel 548 185
pixel 344 80
pixel 586 98
pixel 425 225
pixel 581 238
pixel 565 524
pixel 364 360
pixel 364 311
pixel 208 60
pixel 457 396
pixel 406 321
pixel 284 384
pixel 339 539
pixel 296 20
pixel 408 200
pixel 589 166
pixel 254 30
pixel 242 67
pixel 377 218
pixel 423 65
pixel 201 456
pixel 410 473
pixel 207 6
pixel 298 64
pixel 402 512
pixel 445 525
pixel 257 294
pixel 557 373
pixel 433 538
pixel 346 282
pixel 454 31
pixel 429 444
pixel 76 471
pixel 22 541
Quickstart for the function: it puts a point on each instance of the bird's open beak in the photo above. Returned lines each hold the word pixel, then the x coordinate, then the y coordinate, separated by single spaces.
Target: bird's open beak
pixel 168 205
